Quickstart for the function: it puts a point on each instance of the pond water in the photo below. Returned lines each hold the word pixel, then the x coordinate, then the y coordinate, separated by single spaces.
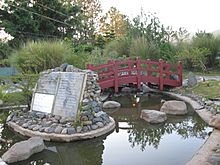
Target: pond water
pixel 132 142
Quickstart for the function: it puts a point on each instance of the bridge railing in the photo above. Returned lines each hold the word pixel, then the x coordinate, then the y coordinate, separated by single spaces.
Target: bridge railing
pixel 116 73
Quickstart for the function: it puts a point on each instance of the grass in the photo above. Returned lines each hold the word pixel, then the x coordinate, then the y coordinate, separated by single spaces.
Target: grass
pixel 208 89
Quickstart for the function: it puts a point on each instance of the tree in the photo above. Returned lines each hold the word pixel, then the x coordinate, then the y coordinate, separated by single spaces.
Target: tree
pixel 113 24
pixel 91 10
pixel 31 20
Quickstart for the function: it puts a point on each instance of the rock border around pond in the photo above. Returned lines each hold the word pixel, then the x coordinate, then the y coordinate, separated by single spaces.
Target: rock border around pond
pixel 64 137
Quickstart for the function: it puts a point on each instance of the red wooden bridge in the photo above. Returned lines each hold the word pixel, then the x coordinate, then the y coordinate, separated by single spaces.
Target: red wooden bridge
pixel 137 71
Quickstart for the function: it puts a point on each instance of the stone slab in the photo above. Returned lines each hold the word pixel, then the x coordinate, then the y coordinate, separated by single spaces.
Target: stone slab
pixel 43 102
pixel 69 94
pixel 59 93
pixel 47 83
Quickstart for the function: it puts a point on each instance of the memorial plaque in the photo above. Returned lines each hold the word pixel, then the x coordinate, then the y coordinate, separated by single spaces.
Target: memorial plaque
pixel 48 82
pixel 59 93
pixel 69 93
pixel 43 102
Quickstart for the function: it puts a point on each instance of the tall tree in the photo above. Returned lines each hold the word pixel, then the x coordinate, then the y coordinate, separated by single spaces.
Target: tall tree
pixel 91 10
pixel 113 24
pixel 34 19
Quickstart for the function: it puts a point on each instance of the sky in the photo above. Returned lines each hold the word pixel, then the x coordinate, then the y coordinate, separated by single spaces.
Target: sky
pixel 193 15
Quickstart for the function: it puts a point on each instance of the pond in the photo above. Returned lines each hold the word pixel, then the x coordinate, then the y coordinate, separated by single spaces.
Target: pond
pixel 134 141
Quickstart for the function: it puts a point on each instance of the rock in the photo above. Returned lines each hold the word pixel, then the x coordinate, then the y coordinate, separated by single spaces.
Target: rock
pixel 85 129
pixel 111 104
pixel 78 129
pixel 25 125
pixel 23 150
pixel 36 127
pixel 215 121
pixel 42 129
pixel 126 90
pixel 63 67
pixel 31 126
pixel 69 68
pixel 174 107
pixel 47 124
pixel 87 122
pixel 40 115
pixel 145 88
pixel 97 119
pixel 57 69
pixel 85 101
pixel 63 120
pixel 9 118
pixel 84 118
pixel 100 124
pixel 99 114
pixel 153 116
pixel 71 131
pixel 58 129
pixel 94 126
pixel 192 81
pixel 64 131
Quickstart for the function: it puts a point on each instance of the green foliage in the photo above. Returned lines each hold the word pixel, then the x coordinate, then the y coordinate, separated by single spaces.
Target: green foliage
pixel 140 47
pixel 120 47
pixel 78 60
pixel 208 41
pixel 168 52
pixel 20 88
pixel 97 57
pixel 194 58
pixel 5 50
pixel 40 56
pixel 26 20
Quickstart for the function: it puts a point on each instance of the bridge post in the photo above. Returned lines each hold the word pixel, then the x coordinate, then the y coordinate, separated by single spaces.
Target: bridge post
pixel 161 64
pixel 138 62
pixel 148 69
pixel 180 71
pixel 116 75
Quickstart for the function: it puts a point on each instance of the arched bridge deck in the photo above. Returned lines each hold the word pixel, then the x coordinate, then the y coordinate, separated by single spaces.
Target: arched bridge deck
pixel 117 73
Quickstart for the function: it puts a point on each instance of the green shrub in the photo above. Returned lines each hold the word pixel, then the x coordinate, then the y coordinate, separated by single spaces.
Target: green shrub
pixel 120 47
pixel 78 60
pixel 210 42
pixel 39 56
pixel 140 47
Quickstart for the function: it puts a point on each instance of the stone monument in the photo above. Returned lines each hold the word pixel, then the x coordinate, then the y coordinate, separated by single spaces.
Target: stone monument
pixel 66 106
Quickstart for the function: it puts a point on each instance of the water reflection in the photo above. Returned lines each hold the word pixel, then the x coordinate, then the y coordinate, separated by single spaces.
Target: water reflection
pixel 142 134
pixel 75 153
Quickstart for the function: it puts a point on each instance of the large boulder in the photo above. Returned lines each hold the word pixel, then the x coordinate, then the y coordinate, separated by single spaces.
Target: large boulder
pixel 174 107
pixel 23 150
pixel 153 116
pixel 111 104
pixel 215 121
pixel 192 81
